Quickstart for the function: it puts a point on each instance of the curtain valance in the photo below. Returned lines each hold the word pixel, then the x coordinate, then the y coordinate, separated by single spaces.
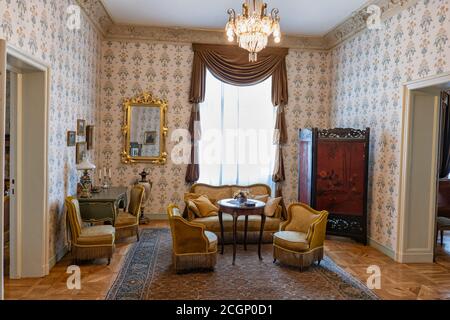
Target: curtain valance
pixel 230 64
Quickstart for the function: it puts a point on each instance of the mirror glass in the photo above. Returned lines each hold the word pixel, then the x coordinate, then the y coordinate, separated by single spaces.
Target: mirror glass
pixel 145 130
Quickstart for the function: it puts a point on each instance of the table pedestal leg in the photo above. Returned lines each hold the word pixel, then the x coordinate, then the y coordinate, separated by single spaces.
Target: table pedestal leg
pixel 263 223
pixel 245 233
pixel 235 222
pixel 222 240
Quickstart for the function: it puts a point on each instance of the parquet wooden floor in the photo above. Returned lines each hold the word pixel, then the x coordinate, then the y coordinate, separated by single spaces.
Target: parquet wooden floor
pixel 399 281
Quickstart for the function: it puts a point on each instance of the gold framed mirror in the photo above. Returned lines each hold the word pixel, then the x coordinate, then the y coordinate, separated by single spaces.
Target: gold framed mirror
pixel 145 130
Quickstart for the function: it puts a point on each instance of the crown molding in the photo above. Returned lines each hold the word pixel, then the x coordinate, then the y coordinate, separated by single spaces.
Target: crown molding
pixel 356 23
pixel 144 33
pixel 97 14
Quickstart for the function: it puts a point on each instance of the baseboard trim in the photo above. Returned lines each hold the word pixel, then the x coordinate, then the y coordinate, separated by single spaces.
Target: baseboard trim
pixel 57 257
pixel 156 217
pixel 382 248
pixel 416 257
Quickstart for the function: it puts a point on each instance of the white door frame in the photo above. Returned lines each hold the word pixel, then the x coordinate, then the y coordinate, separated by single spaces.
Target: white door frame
pixel 2 155
pixel 16 219
pixel 430 86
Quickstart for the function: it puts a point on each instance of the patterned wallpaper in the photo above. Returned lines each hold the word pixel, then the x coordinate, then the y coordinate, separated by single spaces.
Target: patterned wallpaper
pixel 356 84
pixel 367 75
pixel 164 69
pixel 38 27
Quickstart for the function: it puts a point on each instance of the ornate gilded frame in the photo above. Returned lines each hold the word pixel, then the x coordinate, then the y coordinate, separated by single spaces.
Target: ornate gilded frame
pixel 145 100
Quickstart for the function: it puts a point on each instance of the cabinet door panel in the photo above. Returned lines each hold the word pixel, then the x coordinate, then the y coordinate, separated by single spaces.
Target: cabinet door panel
pixel 340 177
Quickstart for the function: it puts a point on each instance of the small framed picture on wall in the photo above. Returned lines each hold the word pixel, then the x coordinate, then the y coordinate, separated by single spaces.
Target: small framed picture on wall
pixel 71 138
pixel 81 128
pixel 90 137
pixel 150 138
pixel 81 151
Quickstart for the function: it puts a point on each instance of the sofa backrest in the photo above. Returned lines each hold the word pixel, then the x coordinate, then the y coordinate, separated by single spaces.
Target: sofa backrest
pixel 215 193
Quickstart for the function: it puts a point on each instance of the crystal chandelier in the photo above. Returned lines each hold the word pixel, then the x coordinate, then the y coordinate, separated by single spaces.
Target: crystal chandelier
pixel 254 27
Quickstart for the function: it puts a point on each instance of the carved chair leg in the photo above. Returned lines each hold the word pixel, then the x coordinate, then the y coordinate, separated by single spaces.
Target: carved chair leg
pixel 442 237
pixel 137 234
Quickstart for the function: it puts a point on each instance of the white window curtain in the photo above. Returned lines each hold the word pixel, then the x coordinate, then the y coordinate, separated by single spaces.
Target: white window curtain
pixel 237 134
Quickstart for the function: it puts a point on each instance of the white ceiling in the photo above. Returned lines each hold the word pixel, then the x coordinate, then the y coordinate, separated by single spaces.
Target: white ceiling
pixel 298 17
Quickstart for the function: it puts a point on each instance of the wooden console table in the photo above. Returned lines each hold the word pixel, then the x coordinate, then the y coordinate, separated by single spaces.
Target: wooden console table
pixel 229 206
pixel 103 206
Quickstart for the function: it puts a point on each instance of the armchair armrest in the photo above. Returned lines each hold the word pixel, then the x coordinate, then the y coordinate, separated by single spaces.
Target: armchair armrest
pixel 317 231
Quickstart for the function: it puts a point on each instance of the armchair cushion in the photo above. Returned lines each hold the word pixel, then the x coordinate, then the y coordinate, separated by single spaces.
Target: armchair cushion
pixel 125 219
pixel 291 240
pixel 96 236
pixel 213 241
pixel 205 207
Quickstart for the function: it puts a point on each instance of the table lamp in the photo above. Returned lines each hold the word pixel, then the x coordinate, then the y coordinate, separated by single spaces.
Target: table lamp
pixel 85 180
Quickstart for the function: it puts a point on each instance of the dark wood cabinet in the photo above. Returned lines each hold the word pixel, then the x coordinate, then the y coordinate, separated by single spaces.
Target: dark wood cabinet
pixel 333 176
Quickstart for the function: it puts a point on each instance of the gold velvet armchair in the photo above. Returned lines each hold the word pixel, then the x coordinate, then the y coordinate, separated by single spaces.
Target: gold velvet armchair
pixel 193 247
pixel 127 223
pixel 88 243
pixel 300 240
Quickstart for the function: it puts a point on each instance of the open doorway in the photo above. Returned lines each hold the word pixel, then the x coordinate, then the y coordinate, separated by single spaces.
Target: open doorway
pixel 419 171
pixel 24 124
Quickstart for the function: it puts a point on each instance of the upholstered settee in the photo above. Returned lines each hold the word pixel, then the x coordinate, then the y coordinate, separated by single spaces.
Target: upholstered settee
pixel 212 223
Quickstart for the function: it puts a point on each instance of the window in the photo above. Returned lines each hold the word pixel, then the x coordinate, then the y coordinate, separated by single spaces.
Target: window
pixel 237 134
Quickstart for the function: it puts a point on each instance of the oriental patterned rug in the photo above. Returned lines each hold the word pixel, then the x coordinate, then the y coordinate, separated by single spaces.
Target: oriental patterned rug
pixel 147 274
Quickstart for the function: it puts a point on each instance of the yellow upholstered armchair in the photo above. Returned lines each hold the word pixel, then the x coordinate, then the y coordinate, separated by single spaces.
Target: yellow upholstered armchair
pixel 88 243
pixel 193 246
pixel 127 223
pixel 300 240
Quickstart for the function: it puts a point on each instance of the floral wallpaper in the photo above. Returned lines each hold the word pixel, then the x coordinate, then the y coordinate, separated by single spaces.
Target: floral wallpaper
pixel 356 84
pixel 367 74
pixel 164 69
pixel 38 27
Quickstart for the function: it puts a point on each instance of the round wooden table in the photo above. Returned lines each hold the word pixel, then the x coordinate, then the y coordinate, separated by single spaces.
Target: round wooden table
pixel 233 208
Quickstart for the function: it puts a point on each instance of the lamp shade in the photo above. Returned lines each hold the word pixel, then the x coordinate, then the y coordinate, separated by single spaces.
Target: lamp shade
pixel 85 165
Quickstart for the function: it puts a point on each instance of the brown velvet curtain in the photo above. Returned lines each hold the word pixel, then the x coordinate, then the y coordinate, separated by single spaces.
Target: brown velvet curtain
pixel 231 65
pixel 444 170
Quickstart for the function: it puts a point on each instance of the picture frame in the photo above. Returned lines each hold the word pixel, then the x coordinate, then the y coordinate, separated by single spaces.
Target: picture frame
pixel 134 150
pixel 90 137
pixel 150 138
pixel 81 127
pixel 71 138
pixel 81 151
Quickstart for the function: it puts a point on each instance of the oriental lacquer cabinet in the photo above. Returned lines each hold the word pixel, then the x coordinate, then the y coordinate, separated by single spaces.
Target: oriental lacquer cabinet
pixel 333 176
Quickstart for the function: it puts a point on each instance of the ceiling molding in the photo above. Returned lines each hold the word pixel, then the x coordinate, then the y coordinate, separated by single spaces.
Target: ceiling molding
pixel 358 20
pixel 97 14
pixel 356 23
pixel 124 32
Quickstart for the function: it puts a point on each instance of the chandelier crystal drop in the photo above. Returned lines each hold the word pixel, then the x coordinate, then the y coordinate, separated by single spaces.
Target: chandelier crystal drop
pixel 254 27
